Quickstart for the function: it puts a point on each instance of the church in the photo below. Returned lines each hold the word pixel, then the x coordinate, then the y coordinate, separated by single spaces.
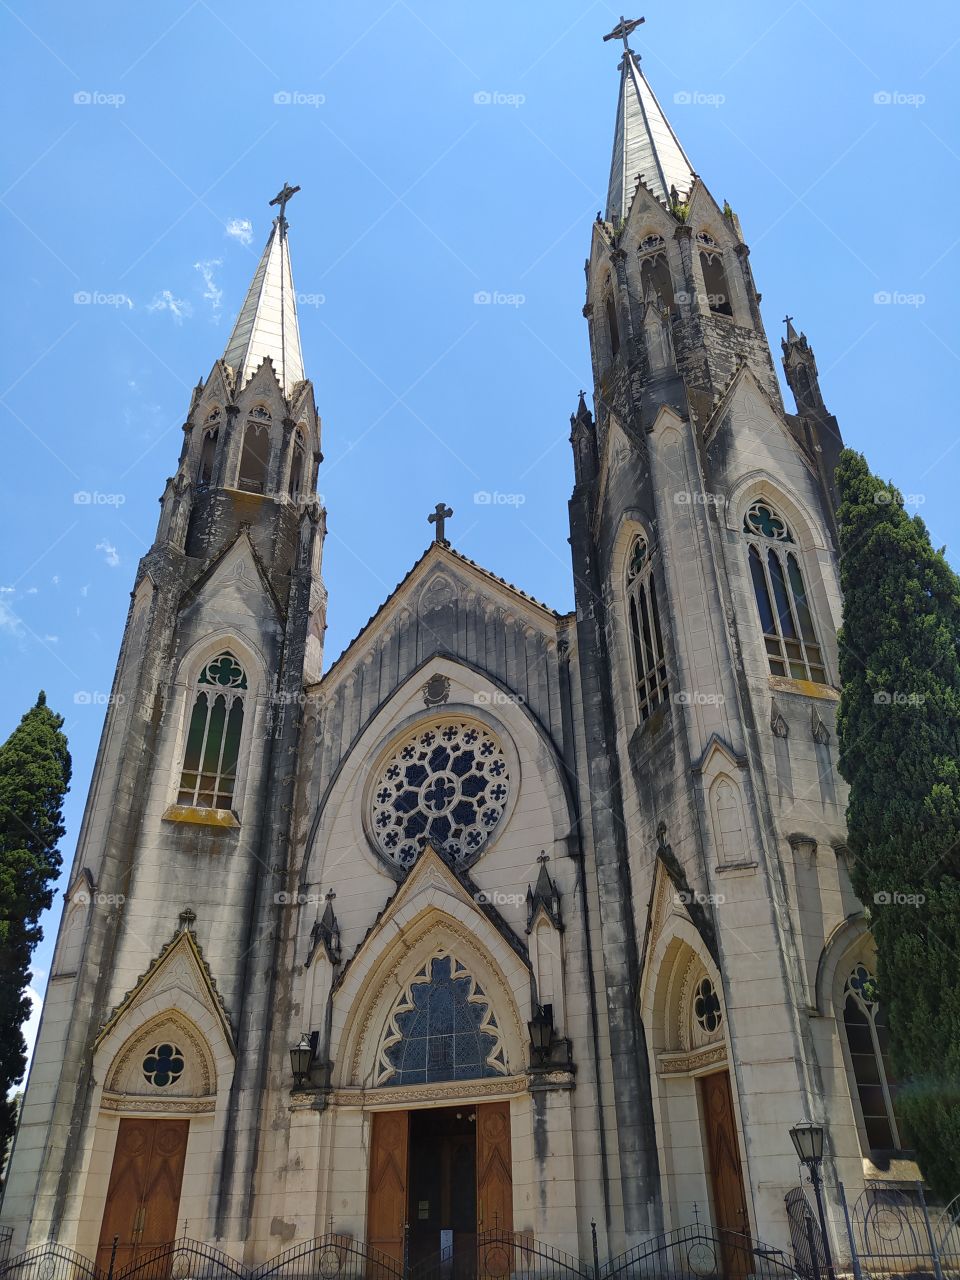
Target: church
pixel 509 920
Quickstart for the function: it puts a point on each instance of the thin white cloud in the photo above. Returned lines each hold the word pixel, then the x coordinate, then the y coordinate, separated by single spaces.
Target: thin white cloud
pixel 212 292
pixel 52 639
pixel 9 622
pixel 240 229
pixel 178 307
pixel 110 553
pixel 31 591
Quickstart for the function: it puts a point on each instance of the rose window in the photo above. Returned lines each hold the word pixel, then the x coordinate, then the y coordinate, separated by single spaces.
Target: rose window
pixel 447 784
pixel 163 1065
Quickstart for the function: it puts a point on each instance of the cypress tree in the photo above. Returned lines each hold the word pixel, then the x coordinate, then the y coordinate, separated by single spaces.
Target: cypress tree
pixel 899 728
pixel 34 777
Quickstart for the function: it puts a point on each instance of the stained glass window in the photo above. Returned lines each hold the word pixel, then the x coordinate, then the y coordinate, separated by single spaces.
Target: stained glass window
pixel 706 1007
pixel 441 1029
pixel 212 752
pixel 448 783
pixel 163 1065
pixel 785 615
pixel 643 616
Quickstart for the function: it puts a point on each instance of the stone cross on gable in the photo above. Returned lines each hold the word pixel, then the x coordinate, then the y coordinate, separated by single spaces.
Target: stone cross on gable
pixel 438 517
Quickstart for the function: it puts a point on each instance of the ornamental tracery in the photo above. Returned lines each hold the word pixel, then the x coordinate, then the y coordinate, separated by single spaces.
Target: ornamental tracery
pixel 447 782
pixel 441 1028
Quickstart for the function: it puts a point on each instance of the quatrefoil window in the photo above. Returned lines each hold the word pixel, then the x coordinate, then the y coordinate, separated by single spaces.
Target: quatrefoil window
pixel 706 1007
pixel 163 1065
pixel 446 783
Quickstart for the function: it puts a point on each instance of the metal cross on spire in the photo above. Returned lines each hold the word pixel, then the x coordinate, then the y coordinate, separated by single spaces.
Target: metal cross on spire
pixel 281 198
pixel 437 517
pixel 624 28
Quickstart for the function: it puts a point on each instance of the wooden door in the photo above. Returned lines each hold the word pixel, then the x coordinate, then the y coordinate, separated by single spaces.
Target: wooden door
pixel 494 1168
pixel 143 1195
pixel 726 1172
pixel 387 1199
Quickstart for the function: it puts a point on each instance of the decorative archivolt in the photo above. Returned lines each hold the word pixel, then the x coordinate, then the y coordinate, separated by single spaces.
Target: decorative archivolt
pixel 368 1009
pixel 165 1066
pixel 458 1040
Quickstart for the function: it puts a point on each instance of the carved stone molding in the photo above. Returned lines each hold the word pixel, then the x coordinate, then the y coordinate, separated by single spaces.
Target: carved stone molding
pixel 692 1061
pixel 384 1098
pixel 156 1106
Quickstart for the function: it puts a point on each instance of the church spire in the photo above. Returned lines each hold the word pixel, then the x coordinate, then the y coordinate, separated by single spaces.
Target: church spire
pixel 267 323
pixel 644 145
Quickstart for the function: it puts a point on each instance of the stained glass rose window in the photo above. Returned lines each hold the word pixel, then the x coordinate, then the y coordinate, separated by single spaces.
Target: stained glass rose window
pixel 447 783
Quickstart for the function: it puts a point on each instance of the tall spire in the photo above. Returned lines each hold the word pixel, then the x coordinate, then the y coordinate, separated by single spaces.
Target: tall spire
pixel 267 323
pixel 644 144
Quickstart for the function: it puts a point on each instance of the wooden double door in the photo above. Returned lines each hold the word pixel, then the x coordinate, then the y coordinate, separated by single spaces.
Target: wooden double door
pixel 438 1178
pixel 143 1196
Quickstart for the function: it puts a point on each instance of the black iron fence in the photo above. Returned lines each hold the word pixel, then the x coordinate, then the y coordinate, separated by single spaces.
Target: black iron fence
pixel 891 1233
pixel 6 1235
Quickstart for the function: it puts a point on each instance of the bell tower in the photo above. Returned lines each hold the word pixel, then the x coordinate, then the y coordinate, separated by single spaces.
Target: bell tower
pixel 185 832
pixel 707 606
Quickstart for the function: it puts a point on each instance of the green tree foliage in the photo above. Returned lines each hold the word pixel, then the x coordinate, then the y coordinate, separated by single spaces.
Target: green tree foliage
pixel 899 727
pixel 34 776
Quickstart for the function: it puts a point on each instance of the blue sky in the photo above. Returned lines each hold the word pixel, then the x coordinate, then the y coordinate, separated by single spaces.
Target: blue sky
pixel 444 151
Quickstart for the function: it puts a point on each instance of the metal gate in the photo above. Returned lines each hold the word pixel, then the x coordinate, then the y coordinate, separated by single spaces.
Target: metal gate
pixel 701 1252
pixel 503 1255
pixel 892 1232
pixel 50 1262
pixel 182 1260
pixel 330 1257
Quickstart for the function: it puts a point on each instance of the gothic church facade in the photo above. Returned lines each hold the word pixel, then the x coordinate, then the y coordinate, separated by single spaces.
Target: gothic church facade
pixel 551 913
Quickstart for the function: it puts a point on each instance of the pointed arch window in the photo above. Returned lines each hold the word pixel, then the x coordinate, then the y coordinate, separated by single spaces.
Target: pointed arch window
pixel 865 1027
pixel 785 615
pixel 296 467
pixel 209 776
pixel 613 327
pixel 254 458
pixel 715 283
pixel 655 275
pixel 441 1028
pixel 208 454
pixel 646 638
